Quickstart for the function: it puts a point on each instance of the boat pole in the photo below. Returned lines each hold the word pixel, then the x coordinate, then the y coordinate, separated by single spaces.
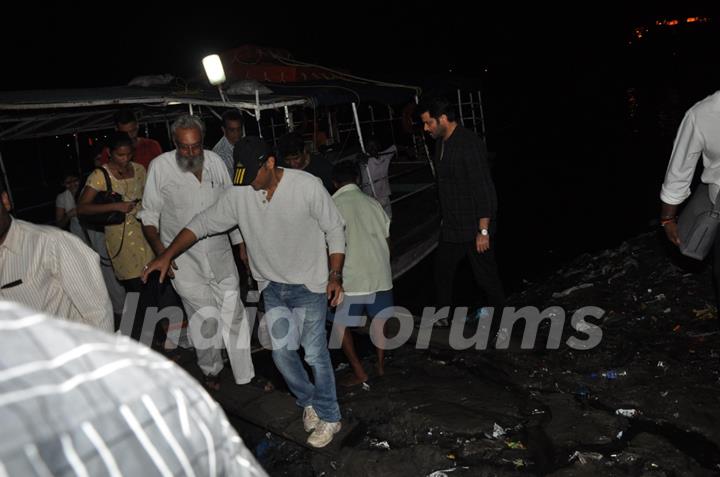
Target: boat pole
pixel 77 153
pixel 392 124
pixel 331 130
pixel 272 130
pixel 289 120
pixel 357 126
pixel 427 152
pixel 472 111
pixel 257 112
pixel 362 147
pixel 482 116
pixel 462 120
pixel 5 178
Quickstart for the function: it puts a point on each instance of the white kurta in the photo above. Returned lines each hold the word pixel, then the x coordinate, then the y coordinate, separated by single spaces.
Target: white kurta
pixel 697 137
pixel 207 278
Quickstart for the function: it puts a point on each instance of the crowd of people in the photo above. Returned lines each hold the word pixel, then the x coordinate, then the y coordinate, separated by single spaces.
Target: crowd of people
pixel 313 235
pixel 188 215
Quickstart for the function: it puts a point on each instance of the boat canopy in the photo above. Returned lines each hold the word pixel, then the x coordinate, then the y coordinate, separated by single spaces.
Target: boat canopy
pixel 41 113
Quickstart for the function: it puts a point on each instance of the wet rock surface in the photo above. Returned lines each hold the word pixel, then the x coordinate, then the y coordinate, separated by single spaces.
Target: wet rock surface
pixel 643 402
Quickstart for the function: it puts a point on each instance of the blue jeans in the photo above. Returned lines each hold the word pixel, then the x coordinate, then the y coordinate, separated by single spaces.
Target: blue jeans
pixel 296 317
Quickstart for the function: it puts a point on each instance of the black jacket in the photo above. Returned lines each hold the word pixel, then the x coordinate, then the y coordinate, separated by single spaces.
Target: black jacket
pixel 466 190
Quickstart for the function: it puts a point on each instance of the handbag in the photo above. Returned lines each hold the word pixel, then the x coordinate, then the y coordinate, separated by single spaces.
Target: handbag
pixel 698 224
pixel 104 197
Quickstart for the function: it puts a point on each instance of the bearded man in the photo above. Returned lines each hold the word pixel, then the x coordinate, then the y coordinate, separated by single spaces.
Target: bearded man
pixel 181 184
pixel 468 205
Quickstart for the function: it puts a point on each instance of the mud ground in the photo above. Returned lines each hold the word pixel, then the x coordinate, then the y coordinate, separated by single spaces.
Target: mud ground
pixel 521 412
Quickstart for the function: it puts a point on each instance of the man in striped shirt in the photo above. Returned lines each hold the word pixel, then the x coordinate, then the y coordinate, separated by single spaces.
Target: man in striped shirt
pixel 51 270
pixel 75 401
pixel 232 129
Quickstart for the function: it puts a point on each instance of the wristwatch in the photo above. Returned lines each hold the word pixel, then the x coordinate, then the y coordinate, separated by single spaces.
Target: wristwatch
pixel 483 232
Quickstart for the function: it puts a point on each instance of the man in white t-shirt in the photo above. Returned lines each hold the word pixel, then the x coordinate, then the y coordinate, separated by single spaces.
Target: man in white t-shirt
pixel 65 207
pixel 296 246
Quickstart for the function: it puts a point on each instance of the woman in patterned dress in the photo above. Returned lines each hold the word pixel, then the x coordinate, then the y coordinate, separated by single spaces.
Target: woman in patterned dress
pixel 126 244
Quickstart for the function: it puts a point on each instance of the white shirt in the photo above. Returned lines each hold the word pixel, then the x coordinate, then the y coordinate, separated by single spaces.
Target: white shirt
pixel 78 401
pixel 172 198
pixel 375 182
pixel 66 201
pixel 698 135
pixel 286 237
pixel 224 149
pixel 59 274
pixel 367 227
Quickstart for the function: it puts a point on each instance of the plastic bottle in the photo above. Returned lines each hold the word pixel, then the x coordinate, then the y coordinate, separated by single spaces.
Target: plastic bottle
pixel 613 374
pixel 609 374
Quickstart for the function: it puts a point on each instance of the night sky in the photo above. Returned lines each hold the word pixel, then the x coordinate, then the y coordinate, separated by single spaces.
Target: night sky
pixel 55 46
pixel 581 113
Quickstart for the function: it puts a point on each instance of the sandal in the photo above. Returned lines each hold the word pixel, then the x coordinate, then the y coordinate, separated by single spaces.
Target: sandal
pixel 265 384
pixel 350 380
pixel 173 354
pixel 212 383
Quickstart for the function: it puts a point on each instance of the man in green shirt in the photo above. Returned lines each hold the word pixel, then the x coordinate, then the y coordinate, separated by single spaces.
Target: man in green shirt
pixel 367 278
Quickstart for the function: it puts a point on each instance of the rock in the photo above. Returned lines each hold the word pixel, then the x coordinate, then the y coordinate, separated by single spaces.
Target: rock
pixel 435 409
pixel 411 461
pixel 574 426
pixel 659 455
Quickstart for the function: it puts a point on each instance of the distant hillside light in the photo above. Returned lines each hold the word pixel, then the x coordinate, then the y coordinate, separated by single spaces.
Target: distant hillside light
pixel 214 69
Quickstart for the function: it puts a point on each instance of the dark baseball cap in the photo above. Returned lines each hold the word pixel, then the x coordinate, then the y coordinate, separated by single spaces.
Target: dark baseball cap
pixel 249 154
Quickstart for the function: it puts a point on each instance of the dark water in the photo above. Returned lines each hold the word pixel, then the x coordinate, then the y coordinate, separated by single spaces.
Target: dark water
pixel 582 141
pixel 581 132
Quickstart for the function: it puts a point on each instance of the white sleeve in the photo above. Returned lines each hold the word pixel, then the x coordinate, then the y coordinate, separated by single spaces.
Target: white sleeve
pixel 226 182
pixel 216 219
pixel 687 149
pixel 324 210
pixel 61 201
pixel 77 267
pixel 152 199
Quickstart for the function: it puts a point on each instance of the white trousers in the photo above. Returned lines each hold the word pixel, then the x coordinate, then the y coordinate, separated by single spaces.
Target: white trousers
pixel 217 317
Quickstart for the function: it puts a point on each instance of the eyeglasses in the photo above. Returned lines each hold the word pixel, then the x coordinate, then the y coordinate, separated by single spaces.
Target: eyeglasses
pixel 189 147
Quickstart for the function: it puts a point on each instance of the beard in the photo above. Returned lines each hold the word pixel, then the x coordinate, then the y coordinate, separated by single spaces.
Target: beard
pixel 190 163
pixel 439 131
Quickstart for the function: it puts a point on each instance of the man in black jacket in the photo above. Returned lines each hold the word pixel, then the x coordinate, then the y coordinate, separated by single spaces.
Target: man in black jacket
pixel 468 205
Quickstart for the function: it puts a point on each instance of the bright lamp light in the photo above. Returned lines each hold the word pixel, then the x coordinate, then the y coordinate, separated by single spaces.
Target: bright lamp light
pixel 214 69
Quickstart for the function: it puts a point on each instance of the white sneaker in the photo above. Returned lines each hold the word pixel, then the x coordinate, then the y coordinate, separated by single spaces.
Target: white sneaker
pixel 323 433
pixel 310 418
